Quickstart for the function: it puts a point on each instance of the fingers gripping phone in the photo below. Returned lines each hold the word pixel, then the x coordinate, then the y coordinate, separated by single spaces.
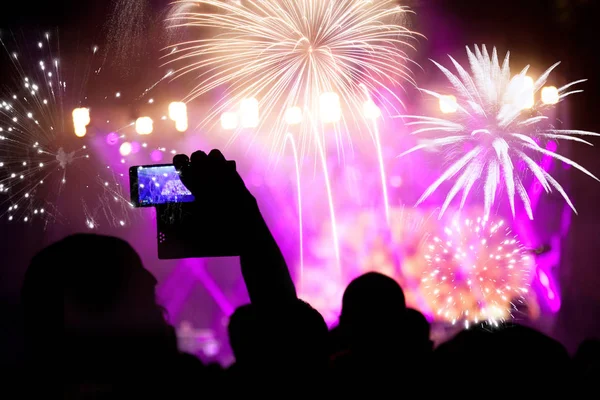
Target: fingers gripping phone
pixel 184 229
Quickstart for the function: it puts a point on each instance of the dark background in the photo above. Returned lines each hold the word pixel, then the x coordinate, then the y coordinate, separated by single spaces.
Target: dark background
pixel 539 31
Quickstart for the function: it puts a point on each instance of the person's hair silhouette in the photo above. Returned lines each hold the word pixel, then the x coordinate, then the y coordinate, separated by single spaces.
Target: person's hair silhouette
pixel 89 302
pixel 373 308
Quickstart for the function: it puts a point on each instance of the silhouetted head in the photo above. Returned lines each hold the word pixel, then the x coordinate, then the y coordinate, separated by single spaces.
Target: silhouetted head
pixel 417 331
pixel 88 299
pixel 297 338
pixel 243 334
pixel 373 304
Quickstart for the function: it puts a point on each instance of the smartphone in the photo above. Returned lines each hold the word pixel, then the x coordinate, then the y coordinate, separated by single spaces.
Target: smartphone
pixel 153 185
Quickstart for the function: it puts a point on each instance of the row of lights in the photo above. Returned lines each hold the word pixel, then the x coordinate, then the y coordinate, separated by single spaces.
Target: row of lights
pixel 247 116
pixel 329 104
pixel 550 95
pixel 143 125
pixel 329 107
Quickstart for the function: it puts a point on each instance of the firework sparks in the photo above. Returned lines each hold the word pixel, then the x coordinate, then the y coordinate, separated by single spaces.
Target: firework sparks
pixel 476 271
pixel 38 146
pixel 315 58
pixel 497 116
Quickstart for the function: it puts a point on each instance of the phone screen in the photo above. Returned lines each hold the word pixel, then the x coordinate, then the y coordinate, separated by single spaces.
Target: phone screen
pixel 157 184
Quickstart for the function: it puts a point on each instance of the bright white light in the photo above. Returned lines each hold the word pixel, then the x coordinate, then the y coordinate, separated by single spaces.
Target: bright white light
pixel 229 121
pixel 125 149
pixel 144 126
pixel 331 111
pixel 178 113
pixel 550 95
pixel 448 104
pixel 370 110
pixel 521 92
pixel 81 119
pixel 293 116
pixel 249 113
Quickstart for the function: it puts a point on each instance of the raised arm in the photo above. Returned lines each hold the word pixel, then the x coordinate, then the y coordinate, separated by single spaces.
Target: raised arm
pixel 217 186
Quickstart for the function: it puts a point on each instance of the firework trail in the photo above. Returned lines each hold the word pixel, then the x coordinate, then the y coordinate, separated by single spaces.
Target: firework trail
pixel 44 167
pixel 477 270
pixel 287 54
pixel 498 120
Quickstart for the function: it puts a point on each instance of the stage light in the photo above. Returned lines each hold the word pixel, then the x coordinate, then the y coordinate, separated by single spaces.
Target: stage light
pixel 521 92
pixel 125 149
pixel 178 113
pixel 331 111
pixel 249 113
pixel 550 95
pixel 448 104
pixel 229 121
pixel 528 95
pixel 81 119
pixel 293 116
pixel 144 126
pixel 370 110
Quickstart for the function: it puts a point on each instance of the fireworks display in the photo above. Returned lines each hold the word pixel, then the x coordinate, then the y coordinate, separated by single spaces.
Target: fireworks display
pixel 494 122
pixel 304 80
pixel 308 63
pixel 45 161
pixel 477 270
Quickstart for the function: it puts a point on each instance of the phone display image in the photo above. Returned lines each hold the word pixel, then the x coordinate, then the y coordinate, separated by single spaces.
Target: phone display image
pixel 157 184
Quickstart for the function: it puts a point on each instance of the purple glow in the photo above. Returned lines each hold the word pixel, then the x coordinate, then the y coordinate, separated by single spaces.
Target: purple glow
pixel 112 139
pixel 156 156
pixel 135 147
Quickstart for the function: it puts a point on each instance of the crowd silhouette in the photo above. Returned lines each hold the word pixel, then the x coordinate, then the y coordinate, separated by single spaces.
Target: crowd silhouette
pixel 105 335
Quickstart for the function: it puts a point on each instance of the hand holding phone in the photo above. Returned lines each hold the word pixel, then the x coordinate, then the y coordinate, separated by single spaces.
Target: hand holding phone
pixel 201 202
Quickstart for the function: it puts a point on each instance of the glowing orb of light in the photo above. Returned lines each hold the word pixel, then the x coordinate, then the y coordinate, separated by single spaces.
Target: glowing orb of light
pixel 477 270
pixel 81 119
pixel 293 116
pixel 144 126
pixel 550 95
pixel 156 155
pixel 178 113
pixel 448 104
pixel 330 107
pixel 229 121
pixel 249 113
pixel 521 92
pixel 125 149
pixel 112 139
pixel 371 110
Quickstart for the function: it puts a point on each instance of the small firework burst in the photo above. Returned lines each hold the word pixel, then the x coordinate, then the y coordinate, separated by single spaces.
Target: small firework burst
pixel 477 270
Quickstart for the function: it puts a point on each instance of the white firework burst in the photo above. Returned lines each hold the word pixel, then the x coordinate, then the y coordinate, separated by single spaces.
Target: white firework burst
pixel 496 114
pixel 286 54
pixel 46 172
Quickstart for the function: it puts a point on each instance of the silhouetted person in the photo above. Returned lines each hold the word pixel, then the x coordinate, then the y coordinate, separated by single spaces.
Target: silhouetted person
pixel 517 357
pixel 372 321
pixel 586 366
pixel 287 335
pixel 373 310
pixel 416 334
pixel 91 320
